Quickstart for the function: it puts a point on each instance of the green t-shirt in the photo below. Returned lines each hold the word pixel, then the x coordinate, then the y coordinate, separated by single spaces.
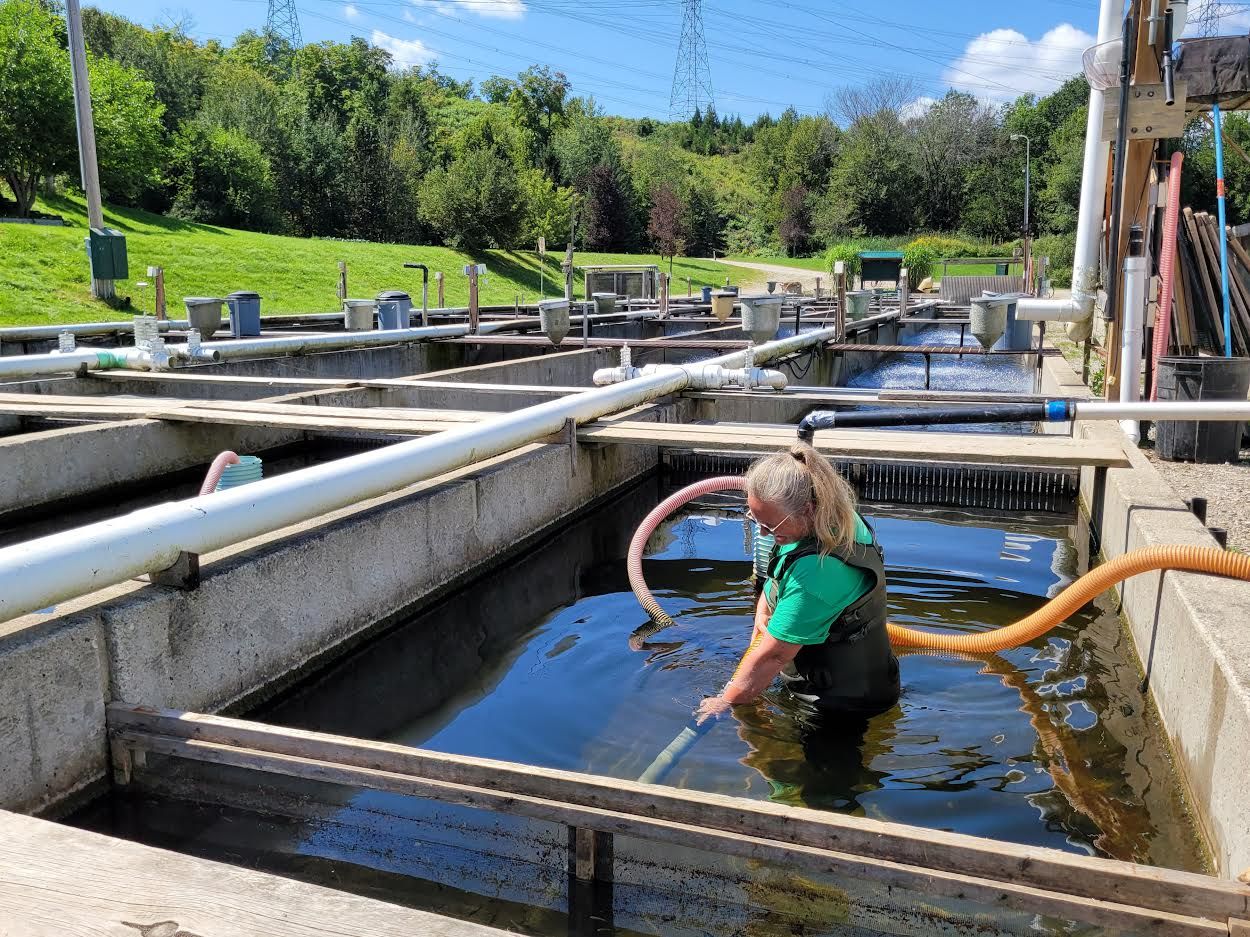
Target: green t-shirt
pixel 813 592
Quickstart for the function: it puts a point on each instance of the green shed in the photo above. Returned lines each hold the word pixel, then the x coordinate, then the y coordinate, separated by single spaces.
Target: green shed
pixel 879 267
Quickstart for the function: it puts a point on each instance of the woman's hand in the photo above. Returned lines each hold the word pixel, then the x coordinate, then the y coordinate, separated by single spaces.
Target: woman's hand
pixel 712 707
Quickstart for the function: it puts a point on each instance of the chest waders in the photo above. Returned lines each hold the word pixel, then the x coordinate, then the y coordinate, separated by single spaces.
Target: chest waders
pixel 854 669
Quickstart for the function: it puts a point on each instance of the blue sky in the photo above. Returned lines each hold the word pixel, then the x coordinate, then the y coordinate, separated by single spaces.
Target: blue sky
pixel 762 56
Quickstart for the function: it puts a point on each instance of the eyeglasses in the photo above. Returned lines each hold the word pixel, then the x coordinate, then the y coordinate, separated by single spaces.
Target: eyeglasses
pixel 764 528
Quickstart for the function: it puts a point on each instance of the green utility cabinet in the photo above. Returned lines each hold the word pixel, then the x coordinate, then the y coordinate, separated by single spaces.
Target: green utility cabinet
pixel 106 247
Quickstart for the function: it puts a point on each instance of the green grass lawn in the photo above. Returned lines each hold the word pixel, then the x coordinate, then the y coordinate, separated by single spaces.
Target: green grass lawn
pixel 43 269
pixel 802 263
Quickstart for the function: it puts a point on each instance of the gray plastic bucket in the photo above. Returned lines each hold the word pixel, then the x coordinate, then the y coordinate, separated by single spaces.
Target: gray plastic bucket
pixel 204 313
pixel 857 303
pixel 358 314
pixel 761 317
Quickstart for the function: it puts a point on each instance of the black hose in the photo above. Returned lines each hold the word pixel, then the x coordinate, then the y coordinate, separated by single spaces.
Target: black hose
pixel 1117 176
pixel 1169 93
pixel 1047 411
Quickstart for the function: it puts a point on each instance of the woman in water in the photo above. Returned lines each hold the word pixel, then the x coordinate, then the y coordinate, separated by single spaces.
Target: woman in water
pixel 820 619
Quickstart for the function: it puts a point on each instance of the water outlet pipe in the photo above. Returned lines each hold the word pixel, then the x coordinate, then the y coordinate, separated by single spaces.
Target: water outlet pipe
pixel 18 367
pixel 425 291
pixel 1049 411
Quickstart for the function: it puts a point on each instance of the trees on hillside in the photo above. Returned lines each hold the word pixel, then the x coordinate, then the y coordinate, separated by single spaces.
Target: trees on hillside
pixel 36 100
pixel 474 202
pixel 37 135
pixel 332 139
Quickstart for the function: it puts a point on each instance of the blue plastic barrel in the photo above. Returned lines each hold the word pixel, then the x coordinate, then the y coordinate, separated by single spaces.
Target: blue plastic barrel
pixel 707 294
pixel 244 313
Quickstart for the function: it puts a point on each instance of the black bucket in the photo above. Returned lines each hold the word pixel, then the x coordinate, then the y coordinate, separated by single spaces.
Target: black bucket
pixel 1185 378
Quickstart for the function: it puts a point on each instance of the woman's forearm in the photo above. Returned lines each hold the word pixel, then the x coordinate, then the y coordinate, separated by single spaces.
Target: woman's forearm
pixel 758 669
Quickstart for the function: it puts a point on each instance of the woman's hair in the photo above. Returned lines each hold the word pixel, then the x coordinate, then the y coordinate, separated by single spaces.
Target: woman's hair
pixel 798 476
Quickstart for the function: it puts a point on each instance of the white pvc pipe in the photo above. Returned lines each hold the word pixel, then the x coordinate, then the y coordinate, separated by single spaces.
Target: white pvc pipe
pixel 330 341
pixel 1051 310
pixel 1160 410
pixel 1136 275
pixel 41 572
pixel 15 367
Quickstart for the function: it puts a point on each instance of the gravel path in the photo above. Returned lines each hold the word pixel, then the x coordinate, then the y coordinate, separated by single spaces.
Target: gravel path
pixel 1226 488
pixel 761 273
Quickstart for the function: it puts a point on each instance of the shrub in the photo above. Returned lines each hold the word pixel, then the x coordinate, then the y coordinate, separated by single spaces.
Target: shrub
pixel 945 245
pixel 848 253
pixel 919 258
pixel 1060 248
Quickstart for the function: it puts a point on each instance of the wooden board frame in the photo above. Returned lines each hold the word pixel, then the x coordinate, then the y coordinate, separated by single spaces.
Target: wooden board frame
pixel 1109 893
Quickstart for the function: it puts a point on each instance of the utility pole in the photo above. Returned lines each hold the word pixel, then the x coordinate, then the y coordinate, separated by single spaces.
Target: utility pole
pixel 100 289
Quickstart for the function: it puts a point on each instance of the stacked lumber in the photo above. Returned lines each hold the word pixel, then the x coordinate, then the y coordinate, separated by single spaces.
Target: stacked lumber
pixel 1198 312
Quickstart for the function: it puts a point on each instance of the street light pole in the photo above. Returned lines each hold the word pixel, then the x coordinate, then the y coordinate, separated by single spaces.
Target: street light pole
pixel 1027 142
pixel 101 289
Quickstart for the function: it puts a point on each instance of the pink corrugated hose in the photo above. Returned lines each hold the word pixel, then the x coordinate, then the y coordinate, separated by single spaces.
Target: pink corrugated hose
pixel 1167 266
pixel 215 470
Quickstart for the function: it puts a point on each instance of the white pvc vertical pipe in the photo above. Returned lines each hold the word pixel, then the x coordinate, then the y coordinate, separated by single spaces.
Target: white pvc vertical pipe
pixel 1136 275
pixel 1093 186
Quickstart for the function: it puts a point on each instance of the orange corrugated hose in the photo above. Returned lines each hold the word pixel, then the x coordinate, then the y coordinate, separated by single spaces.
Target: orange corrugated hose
pixel 1184 558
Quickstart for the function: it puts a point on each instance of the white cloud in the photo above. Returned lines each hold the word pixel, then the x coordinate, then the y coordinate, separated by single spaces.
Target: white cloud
pixel 916 108
pixel 1004 63
pixel 350 11
pixel 494 9
pixel 405 52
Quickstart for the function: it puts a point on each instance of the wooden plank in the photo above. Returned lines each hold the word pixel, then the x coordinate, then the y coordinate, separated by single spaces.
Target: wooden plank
pixel 927 880
pixel 1209 229
pixel 1208 273
pixel 1149 117
pixel 70 881
pixel 984 449
pixel 1183 319
pixel 1160 889
pixel 1241 259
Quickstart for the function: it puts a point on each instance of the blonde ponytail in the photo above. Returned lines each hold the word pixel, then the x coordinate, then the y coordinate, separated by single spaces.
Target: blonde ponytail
pixel 800 476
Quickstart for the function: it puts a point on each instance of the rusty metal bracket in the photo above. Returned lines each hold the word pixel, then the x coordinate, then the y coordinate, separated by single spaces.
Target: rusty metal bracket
pixel 183 574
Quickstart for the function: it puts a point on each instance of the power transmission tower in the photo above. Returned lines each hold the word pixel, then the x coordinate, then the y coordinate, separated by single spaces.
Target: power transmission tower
pixel 692 78
pixel 283 23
